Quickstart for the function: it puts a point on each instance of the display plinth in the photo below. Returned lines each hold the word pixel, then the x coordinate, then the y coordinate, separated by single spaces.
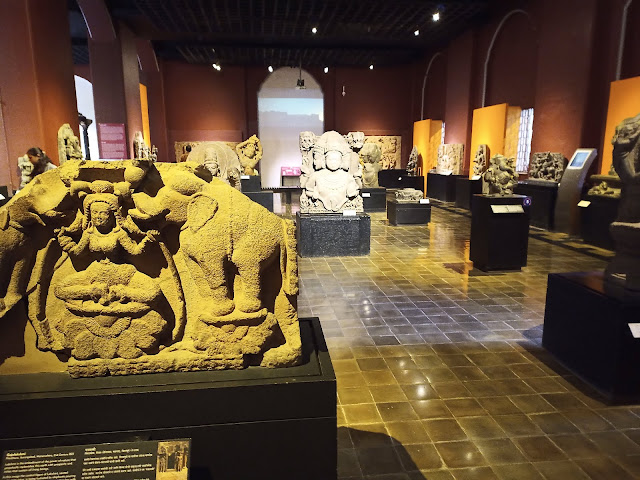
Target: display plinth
pixel 586 327
pixel 402 213
pixel 252 187
pixel 442 187
pixel 466 188
pixel 333 234
pixel 250 183
pixel 543 201
pixel 374 199
pixel 264 198
pixel 499 237
pixel 397 178
pixel 251 424
pixel 595 219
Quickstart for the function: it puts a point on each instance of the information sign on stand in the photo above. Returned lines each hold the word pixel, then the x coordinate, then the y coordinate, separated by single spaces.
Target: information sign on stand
pixel 150 460
pixel 113 141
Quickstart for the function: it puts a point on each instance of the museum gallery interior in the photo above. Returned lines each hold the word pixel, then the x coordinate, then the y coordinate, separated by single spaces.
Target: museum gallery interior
pixel 305 239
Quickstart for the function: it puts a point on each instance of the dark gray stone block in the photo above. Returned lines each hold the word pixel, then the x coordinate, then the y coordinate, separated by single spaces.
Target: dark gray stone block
pixel 251 184
pixel 397 178
pixel 374 199
pixel 442 187
pixel 333 235
pixel 465 190
pixel 543 201
pixel 596 219
pixel 399 213
pixel 264 198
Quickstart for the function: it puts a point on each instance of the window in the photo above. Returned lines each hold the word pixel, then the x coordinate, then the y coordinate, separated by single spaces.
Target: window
pixel 524 140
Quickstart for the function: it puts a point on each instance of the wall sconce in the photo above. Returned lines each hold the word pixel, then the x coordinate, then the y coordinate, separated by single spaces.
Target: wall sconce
pixel 343 91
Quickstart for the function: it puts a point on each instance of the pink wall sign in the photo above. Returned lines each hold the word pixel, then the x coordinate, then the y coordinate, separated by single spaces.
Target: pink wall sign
pixel 113 141
pixel 290 171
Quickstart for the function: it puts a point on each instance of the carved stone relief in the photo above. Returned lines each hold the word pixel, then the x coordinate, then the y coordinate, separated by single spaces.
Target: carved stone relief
pixel 140 149
pixel 220 160
pixel 547 166
pixel 408 195
pixel 68 144
pixel 450 159
pixel 412 165
pixel 390 146
pixel 182 149
pixel 370 156
pixel 249 153
pixel 480 160
pixel 501 177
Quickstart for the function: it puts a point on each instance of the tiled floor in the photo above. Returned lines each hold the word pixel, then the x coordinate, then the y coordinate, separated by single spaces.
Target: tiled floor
pixel 440 369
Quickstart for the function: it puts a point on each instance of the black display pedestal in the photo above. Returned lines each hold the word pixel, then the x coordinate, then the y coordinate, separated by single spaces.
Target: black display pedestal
pixel 251 424
pixel 499 232
pixel 586 327
pixel 374 199
pixel 465 190
pixel 596 218
pixel 442 187
pixel 398 178
pixel 399 213
pixel 543 201
pixel 333 234
pixel 251 186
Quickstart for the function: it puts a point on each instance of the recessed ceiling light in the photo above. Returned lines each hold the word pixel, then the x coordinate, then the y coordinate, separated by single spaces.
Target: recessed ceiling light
pixel 436 16
pixel 314 30
pixel 270 69
pixel 217 67
pixel 371 67
pixel 416 32
pixel 326 69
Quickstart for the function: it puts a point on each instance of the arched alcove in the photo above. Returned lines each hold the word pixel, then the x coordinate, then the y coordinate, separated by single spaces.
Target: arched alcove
pixel 283 112
pixel 84 98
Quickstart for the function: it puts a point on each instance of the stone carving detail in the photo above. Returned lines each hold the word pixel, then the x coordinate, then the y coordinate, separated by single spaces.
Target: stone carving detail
pixel 370 156
pixel 408 195
pixel 355 140
pixel 501 176
pixel 307 141
pixel 68 144
pixel 412 165
pixel 480 160
pixel 450 159
pixel 547 166
pixel 390 146
pixel 136 267
pixel 249 153
pixel 220 160
pixel 336 179
pixel 140 149
pixel 624 269
pixel 182 149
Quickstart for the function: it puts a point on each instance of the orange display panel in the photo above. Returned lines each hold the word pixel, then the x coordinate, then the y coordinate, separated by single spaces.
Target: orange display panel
pixel 489 128
pixel 624 102
pixel 144 105
pixel 427 135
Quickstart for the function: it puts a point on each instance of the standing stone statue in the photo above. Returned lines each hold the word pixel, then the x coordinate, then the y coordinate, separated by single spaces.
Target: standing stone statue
pixel 370 156
pixel 450 158
pixel 480 160
pixel 501 176
pixel 547 166
pixel 140 149
pixel 220 160
pixel 249 153
pixel 68 144
pixel 412 166
pixel 624 269
pixel 307 141
pixel 335 182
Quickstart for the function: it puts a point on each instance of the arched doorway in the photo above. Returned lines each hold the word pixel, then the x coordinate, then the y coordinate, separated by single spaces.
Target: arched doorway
pixel 84 98
pixel 283 112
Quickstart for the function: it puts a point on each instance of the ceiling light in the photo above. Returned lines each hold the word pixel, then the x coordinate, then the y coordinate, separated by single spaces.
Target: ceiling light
pixel 371 67
pixel 217 67
pixel 436 16
pixel 416 32
pixel 270 68
pixel 300 84
pixel 326 69
pixel 314 30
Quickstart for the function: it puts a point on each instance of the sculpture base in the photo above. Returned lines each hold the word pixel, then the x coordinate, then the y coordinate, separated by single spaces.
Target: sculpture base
pixel 250 424
pixel 333 234
pixel 590 334
pixel 398 178
pixel 250 183
pixel 596 218
pixel 399 213
pixel 543 201
pixel 465 190
pixel 263 198
pixel 442 187
pixel 376 200
pixel 499 238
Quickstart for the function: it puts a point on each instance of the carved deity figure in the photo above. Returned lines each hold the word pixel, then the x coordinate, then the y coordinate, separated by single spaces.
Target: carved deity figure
pixel 307 141
pixel 141 150
pixel 501 176
pixel 335 182
pixel 132 267
pixel 450 158
pixel 412 166
pixel 408 195
pixel 355 140
pixel 547 166
pixel 480 160
pixel 370 156
pixel 249 153
pixel 220 160
pixel 68 144
pixel 624 269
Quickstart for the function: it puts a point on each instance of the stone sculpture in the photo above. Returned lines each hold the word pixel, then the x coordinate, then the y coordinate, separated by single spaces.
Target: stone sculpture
pixel 335 182
pixel 624 269
pixel 182 149
pixel 134 267
pixel 355 140
pixel 480 160
pixel 408 195
pixel 412 166
pixel 370 156
pixel 220 160
pixel 140 149
pixel 249 153
pixel 501 176
pixel 25 167
pixel 450 158
pixel 547 166
pixel 390 145
pixel 307 141
pixel 606 185
pixel 68 145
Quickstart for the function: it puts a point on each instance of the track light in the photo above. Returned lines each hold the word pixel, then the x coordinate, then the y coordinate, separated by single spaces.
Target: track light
pixel 416 32
pixel 326 69
pixel 371 67
pixel 436 16
pixel 314 30
pixel 217 66
pixel 270 68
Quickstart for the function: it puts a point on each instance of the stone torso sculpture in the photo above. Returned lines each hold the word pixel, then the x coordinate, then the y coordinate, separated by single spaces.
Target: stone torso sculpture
pixel 220 160
pixel 68 144
pixel 370 156
pixel 141 268
pixel 335 182
pixel 547 166
pixel 249 153
pixel 412 166
pixel 501 176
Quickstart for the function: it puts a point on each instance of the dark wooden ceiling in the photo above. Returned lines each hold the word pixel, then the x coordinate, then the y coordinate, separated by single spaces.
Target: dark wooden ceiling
pixel 279 32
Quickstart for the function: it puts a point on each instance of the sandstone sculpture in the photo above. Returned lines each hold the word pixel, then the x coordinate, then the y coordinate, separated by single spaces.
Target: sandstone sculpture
pixel 134 267
pixel 249 153
pixel 355 140
pixel 501 176
pixel 606 185
pixel 450 159
pixel 140 149
pixel 307 141
pixel 220 160
pixel 547 166
pixel 408 195
pixel 480 160
pixel 183 149
pixel 370 156
pixel 68 144
pixel 336 179
pixel 624 269
pixel 412 166
pixel 390 145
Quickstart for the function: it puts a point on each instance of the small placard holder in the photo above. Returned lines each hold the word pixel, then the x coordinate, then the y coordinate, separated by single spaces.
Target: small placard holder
pixel 476 177
pixel 448 173
pixel 245 177
pixel 584 203
pixel 424 201
pixel 507 209
pixel 366 194
pixel 349 213
pixel 635 329
pixel 399 179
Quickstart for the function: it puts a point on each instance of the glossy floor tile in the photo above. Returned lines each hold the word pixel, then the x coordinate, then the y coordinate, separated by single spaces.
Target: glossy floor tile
pixel 440 369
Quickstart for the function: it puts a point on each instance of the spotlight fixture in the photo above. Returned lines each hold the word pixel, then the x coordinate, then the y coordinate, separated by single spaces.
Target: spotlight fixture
pixel 371 67
pixel 217 66
pixel 436 16
pixel 416 32
pixel 326 69
pixel 270 68
pixel 300 82
pixel 314 30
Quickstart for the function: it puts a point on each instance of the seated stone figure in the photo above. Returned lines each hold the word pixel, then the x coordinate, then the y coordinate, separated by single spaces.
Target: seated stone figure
pixel 134 267
pixel 249 153
pixel 220 160
pixel 334 184
pixel 501 176
pixel 370 156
